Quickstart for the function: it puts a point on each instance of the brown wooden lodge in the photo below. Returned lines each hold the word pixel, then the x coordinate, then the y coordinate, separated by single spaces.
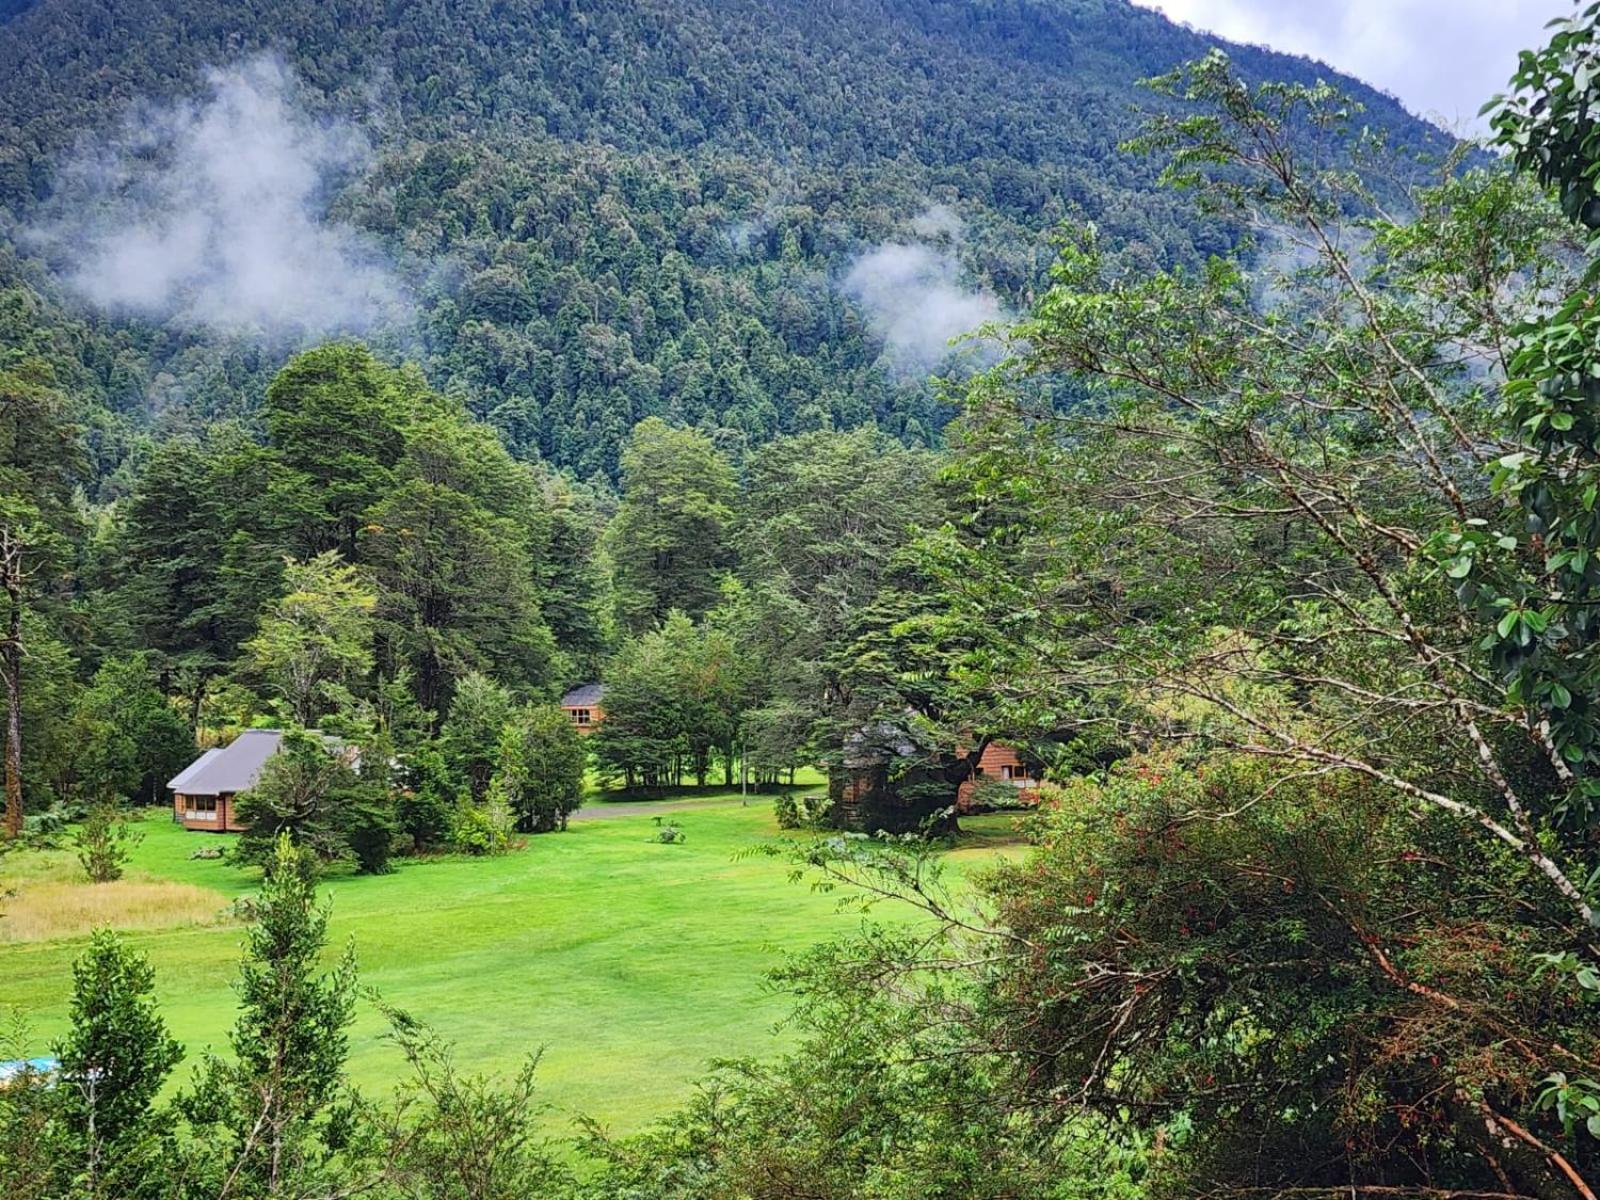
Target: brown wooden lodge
pixel 584 705
pixel 203 792
pixel 1003 763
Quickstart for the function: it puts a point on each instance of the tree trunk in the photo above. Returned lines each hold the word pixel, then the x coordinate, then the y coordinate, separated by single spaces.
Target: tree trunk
pixel 197 701
pixel 11 668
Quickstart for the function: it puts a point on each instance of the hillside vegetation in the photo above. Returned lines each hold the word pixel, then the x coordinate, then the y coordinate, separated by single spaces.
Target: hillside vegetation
pixel 596 212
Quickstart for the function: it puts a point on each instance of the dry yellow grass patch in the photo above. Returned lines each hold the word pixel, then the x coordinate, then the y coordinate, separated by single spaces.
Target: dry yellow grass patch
pixel 42 910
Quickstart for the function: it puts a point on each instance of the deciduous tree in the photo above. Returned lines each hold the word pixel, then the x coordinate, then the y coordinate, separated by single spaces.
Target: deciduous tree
pixel 315 642
pixel 540 768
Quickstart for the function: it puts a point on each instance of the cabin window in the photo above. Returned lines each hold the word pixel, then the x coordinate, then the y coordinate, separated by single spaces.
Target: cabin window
pixel 200 808
pixel 580 716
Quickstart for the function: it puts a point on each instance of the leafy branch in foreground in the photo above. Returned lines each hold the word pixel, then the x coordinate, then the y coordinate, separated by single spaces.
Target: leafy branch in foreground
pixel 1246 527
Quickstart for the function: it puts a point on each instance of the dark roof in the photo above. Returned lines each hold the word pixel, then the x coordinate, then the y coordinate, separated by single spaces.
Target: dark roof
pixel 585 695
pixel 877 743
pixel 234 769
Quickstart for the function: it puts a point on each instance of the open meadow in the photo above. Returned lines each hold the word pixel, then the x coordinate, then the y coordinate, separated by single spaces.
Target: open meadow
pixel 632 963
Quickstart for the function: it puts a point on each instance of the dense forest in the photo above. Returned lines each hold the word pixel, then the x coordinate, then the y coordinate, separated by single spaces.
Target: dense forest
pixel 748 218
pixel 632 315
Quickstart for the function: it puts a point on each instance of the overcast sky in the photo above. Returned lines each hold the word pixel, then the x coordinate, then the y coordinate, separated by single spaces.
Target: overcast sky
pixel 1442 58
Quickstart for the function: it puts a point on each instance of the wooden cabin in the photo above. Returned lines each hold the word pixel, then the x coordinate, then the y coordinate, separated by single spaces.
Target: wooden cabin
pixel 203 792
pixel 583 705
pixel 1005 764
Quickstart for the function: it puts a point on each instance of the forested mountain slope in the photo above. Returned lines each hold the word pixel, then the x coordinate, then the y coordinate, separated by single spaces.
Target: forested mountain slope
pixel 756 216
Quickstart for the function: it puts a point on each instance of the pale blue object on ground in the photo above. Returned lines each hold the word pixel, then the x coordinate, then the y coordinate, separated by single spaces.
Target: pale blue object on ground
pixel 11 1068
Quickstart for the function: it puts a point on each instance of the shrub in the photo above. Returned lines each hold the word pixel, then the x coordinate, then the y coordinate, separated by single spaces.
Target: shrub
pixel 540 768
pixel 103 842
pixel 424 809
pixel 371 829
pixel 802 812
pixel 998 795
pixel 40 828
pixel 481 828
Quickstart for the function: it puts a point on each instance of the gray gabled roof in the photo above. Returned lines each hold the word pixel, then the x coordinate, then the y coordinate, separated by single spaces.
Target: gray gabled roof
pixel 585 695
pixel 179 781
pixel 234 769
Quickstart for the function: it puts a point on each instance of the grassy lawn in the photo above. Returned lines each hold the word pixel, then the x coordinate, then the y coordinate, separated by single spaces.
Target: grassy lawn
pixel 630 962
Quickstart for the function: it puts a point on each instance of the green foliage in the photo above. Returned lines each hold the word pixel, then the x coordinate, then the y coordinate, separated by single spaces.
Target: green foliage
pixel 371 825
pixel 275 1117
pixel 1316 945
pixel 333 415
pixel 1548 123
pixel 194 556
pixel 482 827
pixel 424 806
pixel 114 1063
pixel 795 811
pixel 469 741
pixel 40 457
pixel 660 246
pixel 444 547
pixel 310 793
pixel 1529 573
pixel 668 542
pixel 452 547
pixel 822 518
pixel 1311 951
pixel 775 739
pixel 673 698
pixel 103 842
pixel 877 1103
pixel 540 769
pixel 30 1156
pixel 466 1136
pixel 130 740
pixel 315 642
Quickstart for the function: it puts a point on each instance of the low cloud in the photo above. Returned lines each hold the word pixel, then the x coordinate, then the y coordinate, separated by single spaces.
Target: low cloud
pixel 937 221
pixel 1442 58
pixel 915 298
pixel 214 214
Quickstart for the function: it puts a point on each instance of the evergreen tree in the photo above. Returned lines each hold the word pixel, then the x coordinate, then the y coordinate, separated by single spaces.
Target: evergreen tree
pixel 455 591
pixel 114 1061
pixel 668 543
pixel 196 557
pixel 39 459
pixel 130 739
pixel 334 416
pixel 273 1120
pixel 469 741
pixel 572 590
